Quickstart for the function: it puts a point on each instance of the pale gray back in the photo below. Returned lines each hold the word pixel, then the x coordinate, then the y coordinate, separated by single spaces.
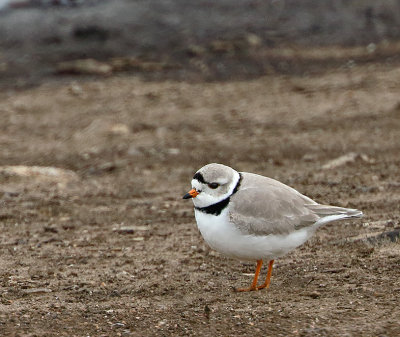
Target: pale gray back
pixel 265 206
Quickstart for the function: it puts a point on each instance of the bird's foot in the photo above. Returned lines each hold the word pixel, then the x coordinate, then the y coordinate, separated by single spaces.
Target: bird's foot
pixel 241 290
pixel 263 286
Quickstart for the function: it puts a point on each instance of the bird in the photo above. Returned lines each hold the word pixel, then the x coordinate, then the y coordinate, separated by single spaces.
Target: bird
pixel 251 217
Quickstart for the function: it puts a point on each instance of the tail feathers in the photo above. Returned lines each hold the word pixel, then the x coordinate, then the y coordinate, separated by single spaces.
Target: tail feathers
pixel 333 213
pixel 326 210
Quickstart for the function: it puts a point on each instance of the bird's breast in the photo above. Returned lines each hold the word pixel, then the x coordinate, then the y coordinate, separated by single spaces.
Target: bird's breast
pixel 223 236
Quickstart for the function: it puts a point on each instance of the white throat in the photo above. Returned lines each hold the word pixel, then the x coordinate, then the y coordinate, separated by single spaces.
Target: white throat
pixel 204 199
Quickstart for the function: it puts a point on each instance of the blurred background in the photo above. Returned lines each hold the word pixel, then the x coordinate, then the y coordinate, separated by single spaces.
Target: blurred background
pixel 108 108
pixel 190 40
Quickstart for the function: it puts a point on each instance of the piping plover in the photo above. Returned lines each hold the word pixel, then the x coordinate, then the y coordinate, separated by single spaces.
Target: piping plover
pixel 252 217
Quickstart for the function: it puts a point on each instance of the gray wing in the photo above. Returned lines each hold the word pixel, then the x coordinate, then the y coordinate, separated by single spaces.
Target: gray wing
pixel 265 206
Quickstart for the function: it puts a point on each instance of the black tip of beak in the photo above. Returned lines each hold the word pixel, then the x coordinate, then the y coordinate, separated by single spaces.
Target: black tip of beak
pixel 187 196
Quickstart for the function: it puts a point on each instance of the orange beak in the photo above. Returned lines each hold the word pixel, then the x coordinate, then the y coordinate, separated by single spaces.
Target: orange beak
pixel 191 194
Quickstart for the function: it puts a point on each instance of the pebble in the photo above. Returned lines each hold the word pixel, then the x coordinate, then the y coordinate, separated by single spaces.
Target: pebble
pixel 348 158
pixel 314 294
pixel 37 291
pixel 130 229
pixel 84 66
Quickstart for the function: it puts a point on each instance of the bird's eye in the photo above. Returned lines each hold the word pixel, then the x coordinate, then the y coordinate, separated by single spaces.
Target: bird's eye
pixel 213 185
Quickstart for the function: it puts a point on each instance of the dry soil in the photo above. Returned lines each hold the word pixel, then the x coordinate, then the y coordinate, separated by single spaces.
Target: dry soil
pixel 109 248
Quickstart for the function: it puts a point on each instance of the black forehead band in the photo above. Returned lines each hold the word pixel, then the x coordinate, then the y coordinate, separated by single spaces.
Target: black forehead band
pixel 199 177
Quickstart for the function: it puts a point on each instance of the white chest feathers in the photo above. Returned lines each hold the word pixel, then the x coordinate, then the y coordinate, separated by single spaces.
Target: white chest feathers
pixel 222 235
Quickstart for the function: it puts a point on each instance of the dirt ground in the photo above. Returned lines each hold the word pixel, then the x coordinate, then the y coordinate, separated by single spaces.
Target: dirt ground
pixel 109 248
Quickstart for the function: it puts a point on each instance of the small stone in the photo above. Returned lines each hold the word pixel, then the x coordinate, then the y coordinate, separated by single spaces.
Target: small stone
pixel 119 129
pixel 196 50
pixel 84 66
pixel 371 48
pixel 115 293
pixel 37 291
pixel 134 151
pixel 130 229
pixel 309 157
pixel 3 66
pixel 49 229
pixel 348 158
pixel 174 151
pixel 76 90
pixel 253 40
pixel 314 294
pixel 132 63
pixel 207 311
pixel 27 171
pixel 40 174
pixel 221 46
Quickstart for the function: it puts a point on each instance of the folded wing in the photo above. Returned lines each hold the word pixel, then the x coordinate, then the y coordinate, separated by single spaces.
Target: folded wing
pixel 264 206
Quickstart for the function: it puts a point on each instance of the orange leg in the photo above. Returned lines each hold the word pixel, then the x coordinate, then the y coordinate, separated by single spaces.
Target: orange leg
pixel 268 279
pixel 254 284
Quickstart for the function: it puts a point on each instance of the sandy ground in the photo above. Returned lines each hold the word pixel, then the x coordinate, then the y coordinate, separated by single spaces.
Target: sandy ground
pixel 109 248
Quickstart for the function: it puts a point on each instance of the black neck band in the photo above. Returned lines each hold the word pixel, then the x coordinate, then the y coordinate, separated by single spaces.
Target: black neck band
pixel 216 209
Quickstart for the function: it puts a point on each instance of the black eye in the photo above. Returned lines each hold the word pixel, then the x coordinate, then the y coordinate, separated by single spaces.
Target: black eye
pixel 213 185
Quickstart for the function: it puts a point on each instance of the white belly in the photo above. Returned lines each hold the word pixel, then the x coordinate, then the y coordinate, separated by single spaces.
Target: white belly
pixel 225 238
